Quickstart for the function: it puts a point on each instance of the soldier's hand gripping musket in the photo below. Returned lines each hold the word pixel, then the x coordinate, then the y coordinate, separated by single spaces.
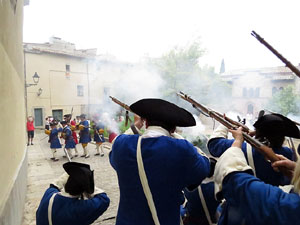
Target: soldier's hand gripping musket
pixel 231 124
pixel 284 60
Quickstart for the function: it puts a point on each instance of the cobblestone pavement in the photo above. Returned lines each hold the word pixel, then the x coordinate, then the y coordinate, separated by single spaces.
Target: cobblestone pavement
pixel 42 170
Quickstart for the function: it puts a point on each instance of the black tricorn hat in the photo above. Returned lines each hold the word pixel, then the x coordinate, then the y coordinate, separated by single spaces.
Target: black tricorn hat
pixel 67 115
pixel 277 124
pixel 63 122
pixel 81 176
pixel 163 111
pixel 53 123
pixel 82 116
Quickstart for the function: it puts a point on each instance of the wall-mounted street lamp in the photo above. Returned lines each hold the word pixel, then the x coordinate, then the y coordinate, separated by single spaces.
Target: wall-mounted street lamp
pixel 39 92
pixel 35 78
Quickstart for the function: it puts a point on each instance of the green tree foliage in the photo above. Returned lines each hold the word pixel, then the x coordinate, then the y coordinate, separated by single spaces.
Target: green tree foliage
pixel 285 101
pixel 181 71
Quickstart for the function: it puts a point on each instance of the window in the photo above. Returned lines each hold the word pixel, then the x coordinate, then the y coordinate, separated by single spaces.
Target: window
pixel 281 88
pixel 257 90
pixel 57 114
pixel 67 68
pixel 244 92
pixel 79 90
pixel 250 109
pixel 67 71
pixel 106 91
pixel 274 90
pixel 251 93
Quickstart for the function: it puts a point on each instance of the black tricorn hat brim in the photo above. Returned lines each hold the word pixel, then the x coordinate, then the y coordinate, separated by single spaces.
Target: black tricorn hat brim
pixel 82 174
pixel 63 122
pixel 53 123
pixel 67 115
pixel 163 111
pixel 277 124
pixel 82 116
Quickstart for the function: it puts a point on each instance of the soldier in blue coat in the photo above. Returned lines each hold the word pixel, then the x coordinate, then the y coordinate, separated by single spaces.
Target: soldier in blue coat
pixel 67 135
pixel 198 201
pixel 54 140
pixel 271 129
pixel 154 168
pixel 84 134
pixel 258 202
pixel 99 137
pixel 201 204
pixel 72 199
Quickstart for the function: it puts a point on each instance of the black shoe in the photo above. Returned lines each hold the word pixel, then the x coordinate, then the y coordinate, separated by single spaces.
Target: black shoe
pixel 28 144
pixel 82 156
pixel 31 143
pixel 102 155
pixel 97 154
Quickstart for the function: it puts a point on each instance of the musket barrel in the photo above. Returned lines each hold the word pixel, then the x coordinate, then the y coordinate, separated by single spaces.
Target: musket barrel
pixel 266 151
pixel 121 104
pixel 284 60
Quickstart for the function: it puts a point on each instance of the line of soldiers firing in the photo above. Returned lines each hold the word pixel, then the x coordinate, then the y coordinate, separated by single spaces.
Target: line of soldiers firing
pixel 254 181
pixel 68 129
pixel 164 179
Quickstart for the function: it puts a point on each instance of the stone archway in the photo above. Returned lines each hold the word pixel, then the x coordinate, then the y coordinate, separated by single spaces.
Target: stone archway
pixel 250 108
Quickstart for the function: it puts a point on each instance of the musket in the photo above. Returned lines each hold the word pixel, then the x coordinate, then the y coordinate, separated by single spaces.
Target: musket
pixel 284 60
pixel 67 154
pixel 126 107
pixel 265 150
pixel 226 121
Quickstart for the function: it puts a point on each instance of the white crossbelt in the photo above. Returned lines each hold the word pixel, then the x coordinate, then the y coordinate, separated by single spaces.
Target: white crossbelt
pixel 145 184
pixel 203 202
pixel 250 158
pixel 50 208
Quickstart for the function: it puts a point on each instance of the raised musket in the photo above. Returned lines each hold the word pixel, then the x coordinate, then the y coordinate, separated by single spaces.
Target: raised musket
pixel 126 107
pixel 263 149
pixel 284 60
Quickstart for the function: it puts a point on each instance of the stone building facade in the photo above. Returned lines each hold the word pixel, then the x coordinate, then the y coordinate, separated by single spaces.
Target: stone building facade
pixel 13 160
pixel 70 80
pixel 253 88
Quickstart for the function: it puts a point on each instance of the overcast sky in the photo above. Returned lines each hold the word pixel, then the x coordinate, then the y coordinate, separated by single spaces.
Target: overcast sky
pixel 130 29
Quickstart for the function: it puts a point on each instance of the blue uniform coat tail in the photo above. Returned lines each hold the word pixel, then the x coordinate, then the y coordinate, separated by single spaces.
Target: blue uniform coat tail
pixel 84 134
pixel 70 143
pixel 54 141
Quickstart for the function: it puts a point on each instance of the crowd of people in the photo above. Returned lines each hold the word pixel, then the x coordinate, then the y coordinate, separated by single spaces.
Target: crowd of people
pixel 164 179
